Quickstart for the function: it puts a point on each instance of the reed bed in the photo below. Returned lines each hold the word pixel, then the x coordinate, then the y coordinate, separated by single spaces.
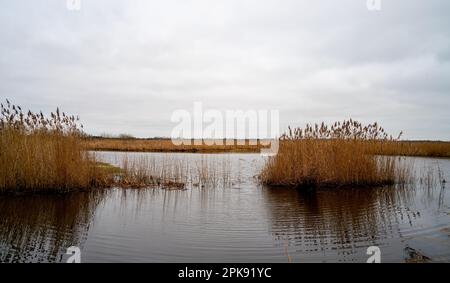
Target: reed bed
pixel 146 172
pixel 166 145
pixel 41 153
pixel 171 172
pixel 209 172
pixel 412 148
pixel 129 144
pixel 333 156
pixel 48 154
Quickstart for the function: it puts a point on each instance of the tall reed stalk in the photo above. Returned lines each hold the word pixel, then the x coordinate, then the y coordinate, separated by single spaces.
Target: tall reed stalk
pixel 41 153
pixel 333 156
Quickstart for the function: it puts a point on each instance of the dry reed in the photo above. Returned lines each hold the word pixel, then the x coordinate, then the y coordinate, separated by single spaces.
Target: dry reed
pixel 333 156
pixel 44 154
pixel 146 172
pixel 171 173
pixel 412 148
pixel 124 143
pixel 48 154
pixel 166 145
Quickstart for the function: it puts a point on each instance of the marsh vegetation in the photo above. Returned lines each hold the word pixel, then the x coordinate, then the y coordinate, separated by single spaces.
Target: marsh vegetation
pixel 53 154
pixel 168 172
pixel 47 154
pixel 196 199
pixel 166 145
pixel 40 153
pixel 123 143
pixel 334 156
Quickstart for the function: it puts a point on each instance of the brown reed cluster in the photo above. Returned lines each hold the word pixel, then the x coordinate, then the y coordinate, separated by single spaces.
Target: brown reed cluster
pixel 129 144
pixel 390 146
pixel 413 148
pixel 48 154
pixel 40 153
pixel 321 155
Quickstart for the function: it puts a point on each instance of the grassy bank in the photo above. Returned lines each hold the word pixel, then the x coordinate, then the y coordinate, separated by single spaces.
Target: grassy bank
pixel 393 148
pixel 412 148
pixel 166 145
pixel 333 156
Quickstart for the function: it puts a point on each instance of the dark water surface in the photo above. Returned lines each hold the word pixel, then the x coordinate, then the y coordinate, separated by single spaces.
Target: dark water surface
pixel 241 222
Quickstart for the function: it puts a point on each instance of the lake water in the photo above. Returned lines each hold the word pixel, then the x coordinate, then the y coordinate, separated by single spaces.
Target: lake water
pixel 240 221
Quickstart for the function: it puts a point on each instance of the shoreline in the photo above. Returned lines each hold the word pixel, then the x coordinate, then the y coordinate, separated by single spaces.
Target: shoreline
pixel 410 148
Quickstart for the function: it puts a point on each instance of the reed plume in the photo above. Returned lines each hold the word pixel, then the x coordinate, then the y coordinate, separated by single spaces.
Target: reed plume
pixel 40 153
pixel 334 155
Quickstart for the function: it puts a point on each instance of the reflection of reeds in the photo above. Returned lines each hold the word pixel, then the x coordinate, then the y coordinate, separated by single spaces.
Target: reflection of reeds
pixel 333 156
pixel 336 220
pixel 39 228
pixel 428 179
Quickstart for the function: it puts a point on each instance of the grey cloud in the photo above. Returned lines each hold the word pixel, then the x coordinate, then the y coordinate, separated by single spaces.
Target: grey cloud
pixel 124 66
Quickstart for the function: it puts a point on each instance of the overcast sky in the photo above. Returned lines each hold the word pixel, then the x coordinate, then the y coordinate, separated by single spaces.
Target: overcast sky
pixel 125 66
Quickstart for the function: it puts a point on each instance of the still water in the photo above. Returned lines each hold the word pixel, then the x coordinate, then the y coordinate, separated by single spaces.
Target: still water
pixel 238 222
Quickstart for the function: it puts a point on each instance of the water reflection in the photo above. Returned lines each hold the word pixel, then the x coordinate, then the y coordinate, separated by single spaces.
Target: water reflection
pixel 40 228
pixel 332 223
pixel 239 223
pixel 345 215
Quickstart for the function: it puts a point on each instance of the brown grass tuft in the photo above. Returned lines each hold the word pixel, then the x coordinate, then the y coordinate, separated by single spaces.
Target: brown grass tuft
pixel 166 145
pixel 44 154
pixel 333 156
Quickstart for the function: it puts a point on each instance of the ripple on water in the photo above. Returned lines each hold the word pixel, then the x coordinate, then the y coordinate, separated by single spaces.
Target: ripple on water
pixel 247 224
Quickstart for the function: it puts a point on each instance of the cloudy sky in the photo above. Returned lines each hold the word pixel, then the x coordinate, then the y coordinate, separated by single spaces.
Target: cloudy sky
pixel 125 66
